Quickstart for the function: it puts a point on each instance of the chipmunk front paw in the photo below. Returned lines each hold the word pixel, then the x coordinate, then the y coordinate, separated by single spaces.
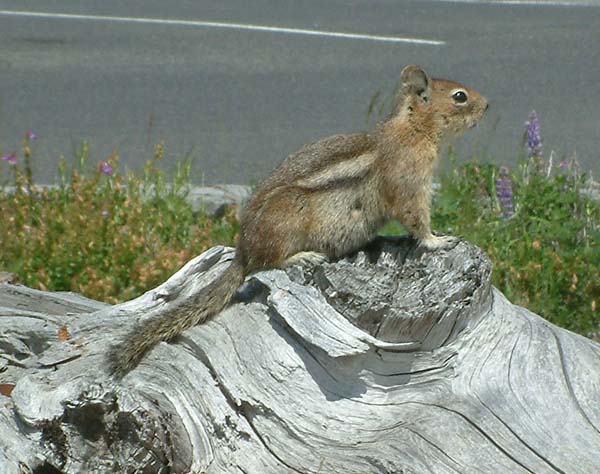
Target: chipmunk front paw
pixel 434 242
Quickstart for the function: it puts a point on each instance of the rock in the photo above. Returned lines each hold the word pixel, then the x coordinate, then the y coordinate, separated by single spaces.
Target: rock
pixel 214 200
pixel 6 277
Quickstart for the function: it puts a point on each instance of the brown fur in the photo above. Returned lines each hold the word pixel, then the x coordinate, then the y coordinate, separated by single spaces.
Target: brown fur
pixel 331 197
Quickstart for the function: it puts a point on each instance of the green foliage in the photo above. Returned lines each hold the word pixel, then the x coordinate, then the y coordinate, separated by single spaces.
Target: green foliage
pixel 107 235
pixel 546 255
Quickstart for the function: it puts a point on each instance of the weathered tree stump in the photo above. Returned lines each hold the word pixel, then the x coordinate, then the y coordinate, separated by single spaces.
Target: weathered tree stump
pixel 389 361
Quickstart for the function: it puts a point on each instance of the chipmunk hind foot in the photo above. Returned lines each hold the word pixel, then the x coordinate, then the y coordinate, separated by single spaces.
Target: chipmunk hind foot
pixel 306 259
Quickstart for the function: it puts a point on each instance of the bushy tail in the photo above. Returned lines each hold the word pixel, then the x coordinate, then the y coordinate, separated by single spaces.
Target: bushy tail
pixel 208 302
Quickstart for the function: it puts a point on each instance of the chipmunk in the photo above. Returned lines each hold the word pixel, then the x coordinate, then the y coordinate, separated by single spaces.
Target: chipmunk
pixel 330 198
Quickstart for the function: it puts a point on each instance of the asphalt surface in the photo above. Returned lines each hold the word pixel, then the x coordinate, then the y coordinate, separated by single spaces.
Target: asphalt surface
pixel 240 98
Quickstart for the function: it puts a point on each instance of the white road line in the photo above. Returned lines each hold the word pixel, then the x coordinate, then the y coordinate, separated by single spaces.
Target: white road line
pixel 231 26
pixel 539 3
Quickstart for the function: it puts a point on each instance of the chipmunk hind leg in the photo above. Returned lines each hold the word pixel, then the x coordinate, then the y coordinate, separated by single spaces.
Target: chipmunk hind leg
pixel 275 231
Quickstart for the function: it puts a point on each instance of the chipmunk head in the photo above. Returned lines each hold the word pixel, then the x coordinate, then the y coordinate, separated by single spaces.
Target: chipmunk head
pixel 448 108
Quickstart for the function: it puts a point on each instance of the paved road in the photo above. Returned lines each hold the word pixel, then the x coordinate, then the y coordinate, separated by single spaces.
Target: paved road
pixel 240 97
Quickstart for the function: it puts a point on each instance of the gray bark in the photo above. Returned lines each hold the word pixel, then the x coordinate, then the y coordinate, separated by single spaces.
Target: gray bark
pixel 389 361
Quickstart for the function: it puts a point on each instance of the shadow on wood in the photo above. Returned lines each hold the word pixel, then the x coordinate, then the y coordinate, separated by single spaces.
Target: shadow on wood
pixel 389 361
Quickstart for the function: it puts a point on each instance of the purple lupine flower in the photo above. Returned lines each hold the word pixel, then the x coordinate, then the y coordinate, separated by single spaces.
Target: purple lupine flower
pixel 505 193
pixel 11 159
pixel 105 214
pixel 533 136
pixel 106 168
pixel 564 166
pixel 29 135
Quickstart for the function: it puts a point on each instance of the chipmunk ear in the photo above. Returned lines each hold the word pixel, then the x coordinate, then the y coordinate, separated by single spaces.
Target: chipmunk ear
pixel 415 81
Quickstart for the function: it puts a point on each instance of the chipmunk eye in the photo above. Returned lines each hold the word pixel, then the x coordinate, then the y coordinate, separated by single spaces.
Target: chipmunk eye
pixel 460 97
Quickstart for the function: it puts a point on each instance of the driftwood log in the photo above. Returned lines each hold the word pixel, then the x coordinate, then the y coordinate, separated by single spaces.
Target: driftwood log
pixel 389 361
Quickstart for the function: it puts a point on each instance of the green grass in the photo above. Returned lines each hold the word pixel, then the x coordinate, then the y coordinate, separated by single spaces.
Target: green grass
pixel 111 235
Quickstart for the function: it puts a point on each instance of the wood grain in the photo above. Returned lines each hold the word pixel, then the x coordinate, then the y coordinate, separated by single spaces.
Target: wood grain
pixel 389 361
